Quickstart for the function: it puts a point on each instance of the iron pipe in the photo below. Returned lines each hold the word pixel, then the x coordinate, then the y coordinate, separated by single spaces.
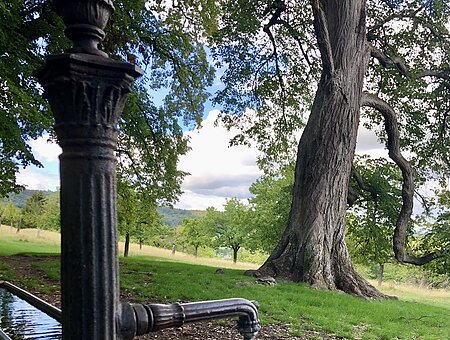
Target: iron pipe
pixel 154 317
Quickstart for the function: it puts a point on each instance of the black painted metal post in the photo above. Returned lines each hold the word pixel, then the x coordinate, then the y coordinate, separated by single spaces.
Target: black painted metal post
pixel 87 92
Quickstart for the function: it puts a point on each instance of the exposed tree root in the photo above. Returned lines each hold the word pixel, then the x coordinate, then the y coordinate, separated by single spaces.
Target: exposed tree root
pixel 338 275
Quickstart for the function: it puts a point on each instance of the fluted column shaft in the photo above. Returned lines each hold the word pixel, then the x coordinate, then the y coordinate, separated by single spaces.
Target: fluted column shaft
pixel 87 94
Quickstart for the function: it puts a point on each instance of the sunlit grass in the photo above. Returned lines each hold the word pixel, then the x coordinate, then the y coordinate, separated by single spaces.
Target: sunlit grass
pixel 27 240
pixel 49 241
pixel 419 314
pixel 436 297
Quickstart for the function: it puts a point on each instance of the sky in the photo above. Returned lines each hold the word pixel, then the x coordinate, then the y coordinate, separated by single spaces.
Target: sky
pixel 217 171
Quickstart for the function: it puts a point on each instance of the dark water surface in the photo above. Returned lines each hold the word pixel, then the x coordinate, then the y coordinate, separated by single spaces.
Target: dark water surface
pixel 20 320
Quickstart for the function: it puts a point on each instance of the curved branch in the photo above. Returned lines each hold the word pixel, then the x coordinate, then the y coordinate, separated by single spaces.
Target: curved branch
pixel 399 63
pixel 393 145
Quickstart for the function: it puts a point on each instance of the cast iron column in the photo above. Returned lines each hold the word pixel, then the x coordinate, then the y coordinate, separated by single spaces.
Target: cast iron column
pixel 87 92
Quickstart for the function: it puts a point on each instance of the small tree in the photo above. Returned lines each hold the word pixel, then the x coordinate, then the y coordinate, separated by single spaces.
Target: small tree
pixel 127 211
pixel 11 214
pixel 195 233
pixel 270 208
pixel 33 210
pixel 232 226
pixel 2 212
pixel 51 219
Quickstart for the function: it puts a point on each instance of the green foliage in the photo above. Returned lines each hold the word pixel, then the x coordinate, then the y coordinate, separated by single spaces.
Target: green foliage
pixel 138 217
pixel 437 238
pixel 51 215
pixel 149 34
pixel 270 208
pixel 232 227
pixel 196 233
pixel 266 71
pixel 28 29
pixel 11 214
pixel 371 221
pixel 149 144
pixel 420 42
pixel 2 209
pixel 33 210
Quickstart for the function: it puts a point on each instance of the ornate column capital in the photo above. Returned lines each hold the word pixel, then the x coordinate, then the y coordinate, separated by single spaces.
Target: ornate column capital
pixel 87 94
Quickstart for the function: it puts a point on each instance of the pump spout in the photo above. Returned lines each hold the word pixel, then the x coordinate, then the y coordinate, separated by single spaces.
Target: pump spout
pixel 139 319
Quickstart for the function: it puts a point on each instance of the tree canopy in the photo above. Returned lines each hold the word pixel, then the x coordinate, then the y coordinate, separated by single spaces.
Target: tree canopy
pixel 327 63
pixel 170 94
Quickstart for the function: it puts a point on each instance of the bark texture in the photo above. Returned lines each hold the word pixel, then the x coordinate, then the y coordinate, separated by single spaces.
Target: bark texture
pixel 312 248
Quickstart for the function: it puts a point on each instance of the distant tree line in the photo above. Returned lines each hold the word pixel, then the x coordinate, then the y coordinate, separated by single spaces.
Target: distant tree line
pixel 40 211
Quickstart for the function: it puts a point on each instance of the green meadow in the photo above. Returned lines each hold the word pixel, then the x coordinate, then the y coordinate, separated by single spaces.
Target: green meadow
pixel 417 314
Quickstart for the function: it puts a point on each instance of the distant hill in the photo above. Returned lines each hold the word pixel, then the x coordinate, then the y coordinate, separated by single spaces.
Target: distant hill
pixel 20 198
pixel 174 217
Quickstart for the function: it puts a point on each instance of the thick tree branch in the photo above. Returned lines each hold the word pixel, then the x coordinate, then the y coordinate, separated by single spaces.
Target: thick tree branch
pixel 399 63
pixel 403 14
pixel 323 37
pixel 445 75
pixel 413 16
pixel 393 145
pixel 387 61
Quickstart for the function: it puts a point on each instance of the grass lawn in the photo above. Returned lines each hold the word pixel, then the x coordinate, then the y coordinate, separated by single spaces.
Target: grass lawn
pixel 419 314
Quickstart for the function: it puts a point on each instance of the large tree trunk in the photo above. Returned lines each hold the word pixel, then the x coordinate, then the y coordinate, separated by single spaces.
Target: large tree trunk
pixel 312 248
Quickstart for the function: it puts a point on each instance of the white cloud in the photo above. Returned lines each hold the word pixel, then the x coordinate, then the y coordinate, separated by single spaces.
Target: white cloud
pixel 217 171
pixel 45 150
pixel 47 178
pixel 192 201
pixel 369 144
pixel 38 179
